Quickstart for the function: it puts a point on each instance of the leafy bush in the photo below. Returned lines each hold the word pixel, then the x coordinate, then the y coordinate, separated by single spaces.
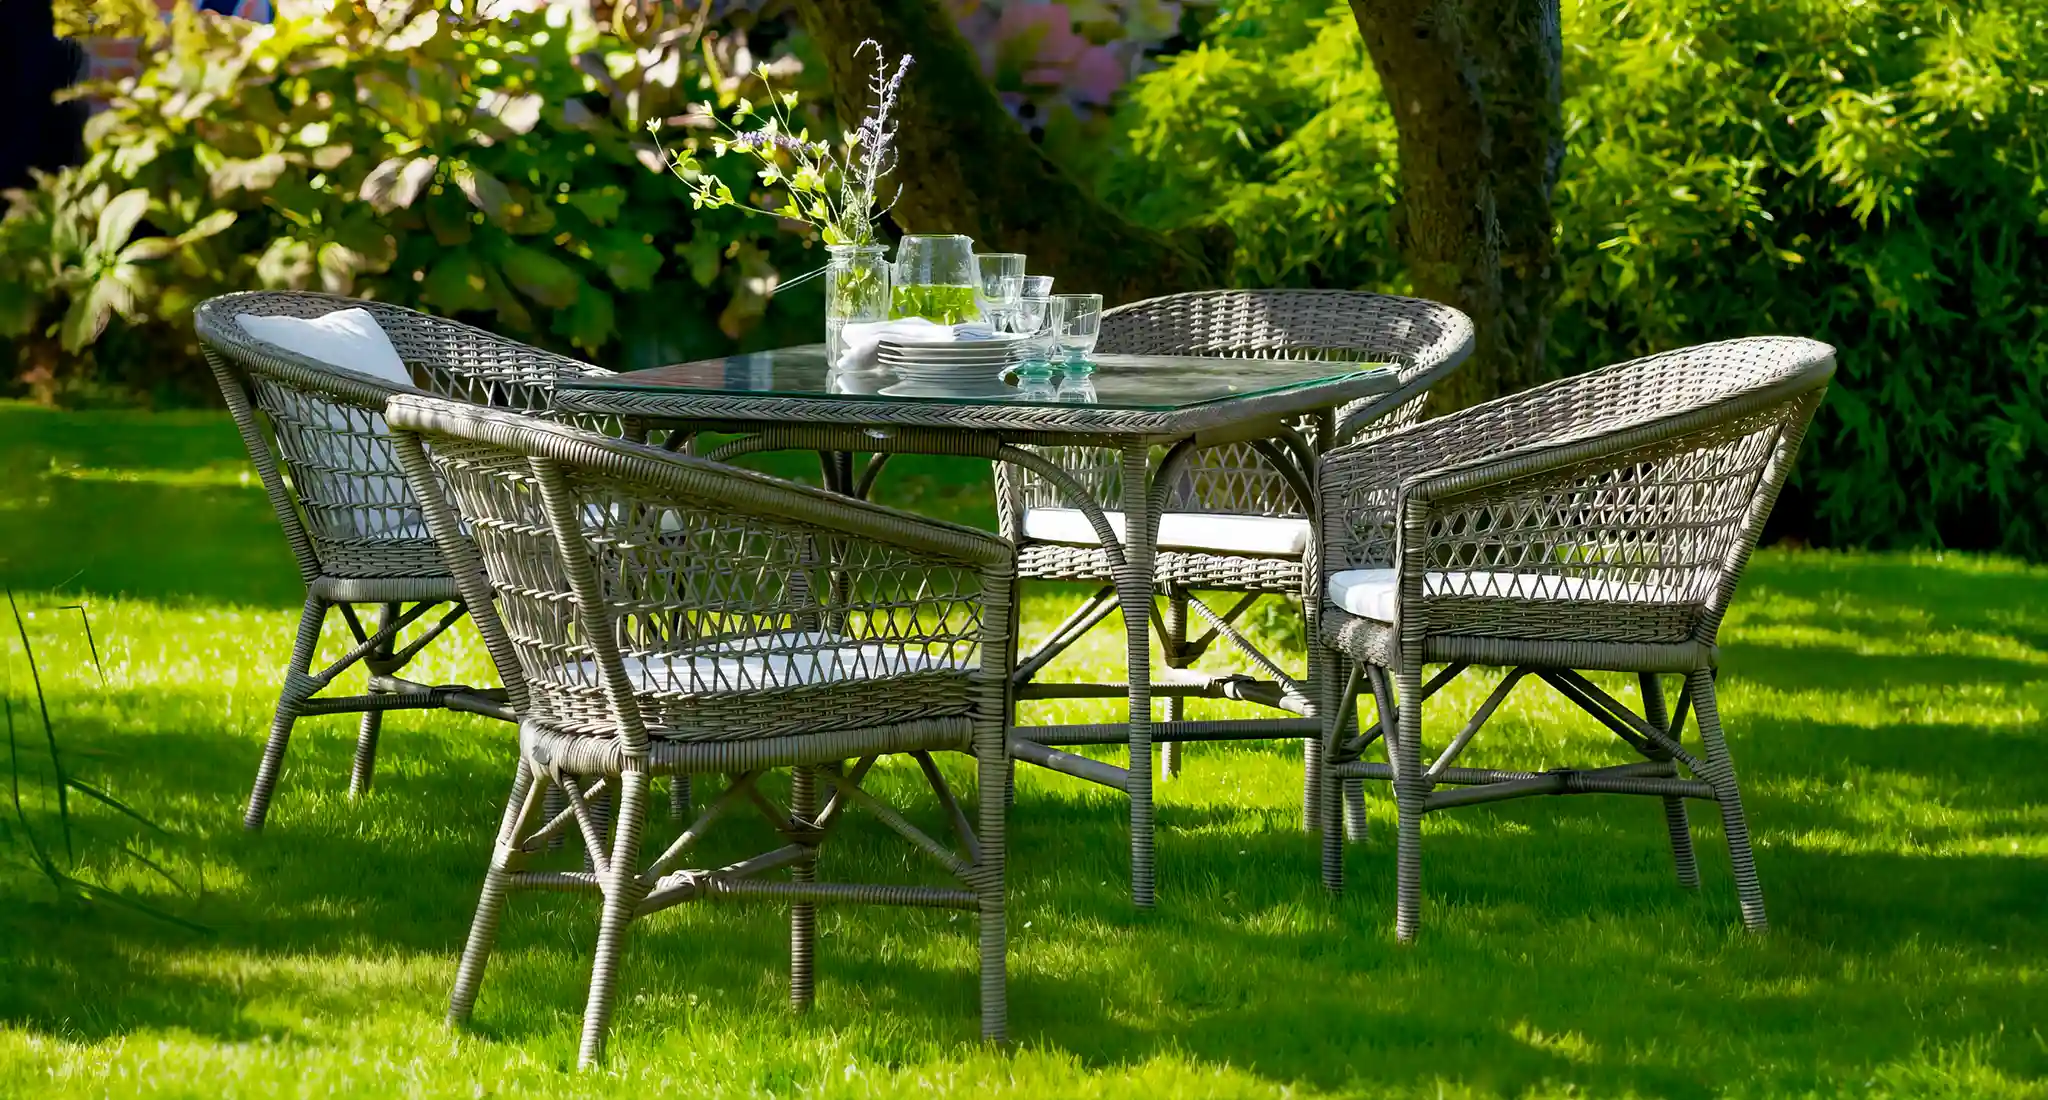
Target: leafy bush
pixel 493 170
pixel 1867 174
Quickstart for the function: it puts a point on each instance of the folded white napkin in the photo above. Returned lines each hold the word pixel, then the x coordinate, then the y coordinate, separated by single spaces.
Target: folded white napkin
pixel 861 339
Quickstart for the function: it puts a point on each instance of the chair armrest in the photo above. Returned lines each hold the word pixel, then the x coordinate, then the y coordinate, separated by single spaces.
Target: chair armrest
pixel 744 492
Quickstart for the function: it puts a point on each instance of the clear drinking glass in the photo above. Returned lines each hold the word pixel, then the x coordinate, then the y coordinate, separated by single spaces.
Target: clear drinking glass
pixel 935 278
pixel 1002 284
pixel 1037 286
pixel 1039 318
pixel 1080 324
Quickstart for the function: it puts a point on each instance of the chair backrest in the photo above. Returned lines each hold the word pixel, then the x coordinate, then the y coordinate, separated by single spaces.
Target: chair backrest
pixel 1642 487
pixel 320 443
pixel 1424 340
pixel 638 590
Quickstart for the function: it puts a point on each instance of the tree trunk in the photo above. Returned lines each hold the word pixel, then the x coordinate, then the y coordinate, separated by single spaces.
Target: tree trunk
pixel 1476 88
pixel 965 166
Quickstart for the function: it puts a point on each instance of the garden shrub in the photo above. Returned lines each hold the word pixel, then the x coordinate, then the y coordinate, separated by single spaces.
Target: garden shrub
pixel 495 171
pixel 1869 174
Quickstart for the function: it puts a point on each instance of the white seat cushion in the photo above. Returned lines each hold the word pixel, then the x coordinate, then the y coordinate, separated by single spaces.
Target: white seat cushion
pixel 352 340
pixel 1223 534
pixel 1371 593
pixel 775 661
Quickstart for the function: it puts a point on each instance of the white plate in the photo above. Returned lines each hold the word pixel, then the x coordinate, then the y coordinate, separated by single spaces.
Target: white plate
pixel 999 338
pixel 991 355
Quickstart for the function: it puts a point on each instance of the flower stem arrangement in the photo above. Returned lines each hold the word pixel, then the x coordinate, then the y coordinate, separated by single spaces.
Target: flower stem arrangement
pixel 836 190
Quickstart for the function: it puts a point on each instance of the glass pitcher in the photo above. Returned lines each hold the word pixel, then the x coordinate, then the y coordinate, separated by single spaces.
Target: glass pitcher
pixel 935 278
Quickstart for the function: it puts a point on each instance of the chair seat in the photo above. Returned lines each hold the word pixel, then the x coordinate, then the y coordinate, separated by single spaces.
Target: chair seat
pixel 1373 593
pixel 765 662
pixel 1274 536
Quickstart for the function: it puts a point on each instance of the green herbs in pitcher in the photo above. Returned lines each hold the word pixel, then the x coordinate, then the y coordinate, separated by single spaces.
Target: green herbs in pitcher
pixel 947 305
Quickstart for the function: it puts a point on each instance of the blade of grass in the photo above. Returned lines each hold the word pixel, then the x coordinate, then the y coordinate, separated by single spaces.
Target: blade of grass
pixel 49 731
pixel 35 843
pixel 90 791
pixel 158 868
pixel 101 893
pixel 89 643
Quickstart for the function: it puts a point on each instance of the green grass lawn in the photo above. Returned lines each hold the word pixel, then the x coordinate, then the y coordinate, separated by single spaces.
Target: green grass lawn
pixel 1886 710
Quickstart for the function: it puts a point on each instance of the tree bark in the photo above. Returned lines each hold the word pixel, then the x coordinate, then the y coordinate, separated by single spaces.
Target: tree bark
pixel 965 166
pixel 1476 89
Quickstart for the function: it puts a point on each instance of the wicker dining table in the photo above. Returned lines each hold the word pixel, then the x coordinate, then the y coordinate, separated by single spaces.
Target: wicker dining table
pixel 1153 412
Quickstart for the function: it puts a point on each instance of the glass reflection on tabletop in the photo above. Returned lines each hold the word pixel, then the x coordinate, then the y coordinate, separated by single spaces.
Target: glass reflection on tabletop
pixel 1077 383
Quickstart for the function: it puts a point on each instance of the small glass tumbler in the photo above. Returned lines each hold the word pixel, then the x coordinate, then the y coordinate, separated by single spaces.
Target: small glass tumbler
pixel 1002 284
pixel 1080 325
pixel 1039 319
pixel 1037 286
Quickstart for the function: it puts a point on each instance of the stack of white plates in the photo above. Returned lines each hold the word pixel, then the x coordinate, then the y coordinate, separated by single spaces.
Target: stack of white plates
pixel 964 368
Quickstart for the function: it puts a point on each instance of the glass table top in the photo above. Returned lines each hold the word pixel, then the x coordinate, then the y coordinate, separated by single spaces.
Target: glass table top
pixel 1137 382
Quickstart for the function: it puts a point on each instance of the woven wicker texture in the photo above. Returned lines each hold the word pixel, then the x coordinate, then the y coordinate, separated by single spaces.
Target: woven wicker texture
pixel 663 613
pixel 325 425
pixel 729 624
pixel 317 438
pixel 1601 521
pixel 1424 340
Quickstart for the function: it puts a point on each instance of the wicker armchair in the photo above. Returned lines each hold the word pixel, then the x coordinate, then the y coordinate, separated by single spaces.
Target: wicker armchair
pixel 324 455
pixel 1600 522
pixel 1234 524
pixel 662 614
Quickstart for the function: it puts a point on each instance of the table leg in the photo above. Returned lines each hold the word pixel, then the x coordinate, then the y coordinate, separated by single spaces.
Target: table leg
pixel 1134 594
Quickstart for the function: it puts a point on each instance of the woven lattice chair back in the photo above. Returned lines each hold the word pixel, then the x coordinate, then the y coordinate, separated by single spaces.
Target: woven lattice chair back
pixel 322 444
pixel 736 606
pixel 1422 339
pixel 1614 506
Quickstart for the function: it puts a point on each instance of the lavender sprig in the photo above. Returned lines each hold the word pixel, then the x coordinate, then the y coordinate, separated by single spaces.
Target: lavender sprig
pixel 833 190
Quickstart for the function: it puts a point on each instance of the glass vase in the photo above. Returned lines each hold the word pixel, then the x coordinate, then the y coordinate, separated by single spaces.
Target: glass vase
pixel 856 290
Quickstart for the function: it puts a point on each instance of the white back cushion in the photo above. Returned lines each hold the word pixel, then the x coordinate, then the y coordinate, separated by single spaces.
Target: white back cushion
pixel 352 340
pixel 347 338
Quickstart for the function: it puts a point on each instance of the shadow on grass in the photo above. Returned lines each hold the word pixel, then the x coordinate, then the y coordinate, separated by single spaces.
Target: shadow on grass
pixel 1536 962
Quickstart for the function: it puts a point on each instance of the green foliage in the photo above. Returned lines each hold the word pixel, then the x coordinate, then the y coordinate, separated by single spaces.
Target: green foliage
pixel 1273 126
pixel 1870 174
pixel 494 170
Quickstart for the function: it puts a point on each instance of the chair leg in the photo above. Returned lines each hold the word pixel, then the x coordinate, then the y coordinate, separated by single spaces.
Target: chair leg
pixel 622 894
pixel 1352 793
pixel 378 660
pixel 1323 676
pixel 1721 776
pixel 1176 623
pixel 1675 822
pixel 1330 702
pixel 803 918
pixel 601 819
pixel 994 764
pixel 295 692
pixel 552 803
pixel 1404 744
pixel 365 765
pixel 483 929
pixel 679 798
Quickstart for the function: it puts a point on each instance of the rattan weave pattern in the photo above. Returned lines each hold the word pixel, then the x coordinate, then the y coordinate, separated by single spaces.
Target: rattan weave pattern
pixel 1422 339
pixel 1425 341
pixel 326 424
pixel 1601 521
pixel 614 564
pixel 686 578
pixel 316 436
